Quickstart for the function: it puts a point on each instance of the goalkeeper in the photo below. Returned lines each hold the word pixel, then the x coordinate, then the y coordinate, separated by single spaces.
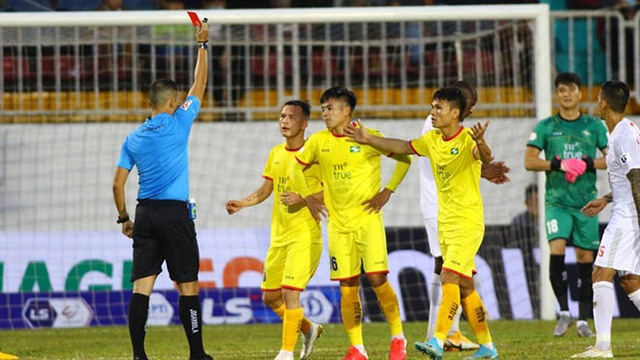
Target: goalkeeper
pixel 569 140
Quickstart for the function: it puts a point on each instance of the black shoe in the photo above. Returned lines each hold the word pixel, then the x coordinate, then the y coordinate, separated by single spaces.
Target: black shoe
pixel 206 357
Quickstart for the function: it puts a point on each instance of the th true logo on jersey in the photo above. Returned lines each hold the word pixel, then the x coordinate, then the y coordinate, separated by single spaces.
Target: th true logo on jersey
pixel 624 157
pixel 354 149
pixel 455 151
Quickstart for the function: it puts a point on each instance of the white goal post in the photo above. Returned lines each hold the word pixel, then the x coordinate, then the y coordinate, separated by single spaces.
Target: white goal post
pixel 75 129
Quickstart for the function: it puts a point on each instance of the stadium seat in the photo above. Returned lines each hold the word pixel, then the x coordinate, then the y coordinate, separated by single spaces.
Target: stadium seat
pixel 469 62
pixel 78 5
pixel 319 60
pixel 11 68
pixel 266 66
pixel 32 5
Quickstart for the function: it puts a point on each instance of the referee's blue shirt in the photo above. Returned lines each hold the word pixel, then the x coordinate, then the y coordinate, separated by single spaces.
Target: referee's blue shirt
pixel 159 148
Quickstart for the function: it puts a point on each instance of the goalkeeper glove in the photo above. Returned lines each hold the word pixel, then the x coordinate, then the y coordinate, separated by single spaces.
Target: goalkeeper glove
pixel 588 160
pixel 572 169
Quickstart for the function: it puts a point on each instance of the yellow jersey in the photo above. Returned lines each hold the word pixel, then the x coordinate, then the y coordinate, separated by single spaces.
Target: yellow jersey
pixel 457 175
pixel 350 173
pixel 288 221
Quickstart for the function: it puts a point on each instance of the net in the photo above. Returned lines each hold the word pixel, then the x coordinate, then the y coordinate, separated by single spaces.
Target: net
pixel 73 90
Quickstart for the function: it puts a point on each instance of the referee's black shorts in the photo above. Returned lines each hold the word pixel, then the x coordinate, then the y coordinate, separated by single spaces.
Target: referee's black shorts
pixel 163 231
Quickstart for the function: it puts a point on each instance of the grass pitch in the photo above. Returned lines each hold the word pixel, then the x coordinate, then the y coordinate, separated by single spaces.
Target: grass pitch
pixel 514 339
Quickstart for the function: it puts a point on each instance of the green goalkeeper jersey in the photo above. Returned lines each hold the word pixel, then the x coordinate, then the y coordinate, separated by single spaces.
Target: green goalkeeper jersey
pixel 569 139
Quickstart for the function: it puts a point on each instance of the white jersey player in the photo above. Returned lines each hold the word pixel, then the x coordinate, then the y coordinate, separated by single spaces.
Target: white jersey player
pixel 619 250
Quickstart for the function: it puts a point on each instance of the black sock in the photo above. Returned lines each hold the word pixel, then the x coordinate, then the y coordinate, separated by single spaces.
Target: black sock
pixel 586 291
pixel 138 313
pixel 558 277
pixel 191 318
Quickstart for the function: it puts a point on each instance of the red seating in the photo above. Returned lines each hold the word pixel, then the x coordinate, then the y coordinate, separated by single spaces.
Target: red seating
pixel 12 65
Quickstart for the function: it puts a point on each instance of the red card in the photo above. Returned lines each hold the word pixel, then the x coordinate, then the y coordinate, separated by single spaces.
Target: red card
pixel 195 20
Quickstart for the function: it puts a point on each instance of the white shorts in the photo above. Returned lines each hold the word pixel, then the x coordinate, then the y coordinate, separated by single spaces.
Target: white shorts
pixel 620 246
pixel 431 225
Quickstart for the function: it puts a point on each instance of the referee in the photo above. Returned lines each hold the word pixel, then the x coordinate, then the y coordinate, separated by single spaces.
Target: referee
pixel 164 229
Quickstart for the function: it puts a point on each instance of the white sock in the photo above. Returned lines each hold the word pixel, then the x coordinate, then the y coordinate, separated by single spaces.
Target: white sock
pixel 635 298
pixel 455 325
pixel 361 349
pixel 603 304
pixel 435 297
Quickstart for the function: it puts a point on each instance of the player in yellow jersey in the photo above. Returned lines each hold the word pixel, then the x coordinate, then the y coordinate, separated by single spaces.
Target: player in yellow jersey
pixel 456 154
pixel 296 240
pixel 352 193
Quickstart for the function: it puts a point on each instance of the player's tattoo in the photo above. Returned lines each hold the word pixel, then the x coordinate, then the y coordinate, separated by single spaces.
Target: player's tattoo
pixel 608 197
pixel 634 178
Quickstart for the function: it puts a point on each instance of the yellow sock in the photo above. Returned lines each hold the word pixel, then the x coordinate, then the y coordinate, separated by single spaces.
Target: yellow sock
pixel 291 328
pixel 351 311
pixel 476 316
pixel 389 305
pixel 279 311
pixel 448 309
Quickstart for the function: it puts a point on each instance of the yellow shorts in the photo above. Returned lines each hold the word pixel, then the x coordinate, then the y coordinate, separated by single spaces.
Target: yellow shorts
pixel 290 266
pixel 366 247
pixel 459 247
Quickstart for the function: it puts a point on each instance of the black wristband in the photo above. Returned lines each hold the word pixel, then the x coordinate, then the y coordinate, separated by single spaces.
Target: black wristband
pixel 555 163
pixel 122 219
pixel 204 44
pixel 589 161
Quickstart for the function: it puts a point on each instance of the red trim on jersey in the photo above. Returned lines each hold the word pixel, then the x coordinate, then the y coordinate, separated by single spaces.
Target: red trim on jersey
pixel 301 162
pixel 347 278
pixel 414 149
pixel 292 288
pixel 269 290
pixel 267 177
pixel 338 135
pixel 296 149
pixel 454 136
pixel 457 273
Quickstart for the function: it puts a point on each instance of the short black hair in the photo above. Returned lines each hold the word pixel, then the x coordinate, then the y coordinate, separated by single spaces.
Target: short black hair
pixel 304 105
pixel 340 93
pixel 567 78
pixel 160 91
pixel 616 94
pixel 454 96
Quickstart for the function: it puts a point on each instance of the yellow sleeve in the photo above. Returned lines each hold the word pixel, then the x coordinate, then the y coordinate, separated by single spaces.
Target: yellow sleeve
pixel 403 163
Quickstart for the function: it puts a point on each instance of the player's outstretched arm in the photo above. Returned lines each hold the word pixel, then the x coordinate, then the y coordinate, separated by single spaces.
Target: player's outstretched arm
pixel 360 135
pixel 495 172
pixel 119 198
pixel 202 63
pixel 255 198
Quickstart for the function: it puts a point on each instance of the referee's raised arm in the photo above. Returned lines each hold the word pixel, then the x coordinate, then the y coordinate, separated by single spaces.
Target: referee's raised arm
pixel 202 63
